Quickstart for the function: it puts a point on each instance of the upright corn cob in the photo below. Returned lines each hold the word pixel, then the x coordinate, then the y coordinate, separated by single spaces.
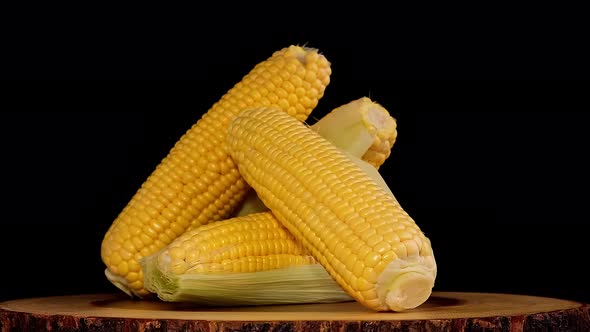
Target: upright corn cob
pixel 197 182
pixel 253 259
pixel 353 227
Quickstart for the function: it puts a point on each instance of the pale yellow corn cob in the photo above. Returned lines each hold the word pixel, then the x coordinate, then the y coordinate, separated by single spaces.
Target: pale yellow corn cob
pixel 257 242
pixel 197 182
pixel 354 228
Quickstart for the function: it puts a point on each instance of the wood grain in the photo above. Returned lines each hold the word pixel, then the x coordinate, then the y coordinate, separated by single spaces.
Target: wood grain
pixel 444 311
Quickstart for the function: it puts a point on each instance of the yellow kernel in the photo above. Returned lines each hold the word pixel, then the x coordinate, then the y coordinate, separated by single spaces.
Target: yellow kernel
pixel 373 302
pixel 370 275
pixel 411 248
pixel 292 99
pixel 127 245
pixel 122 268
pixel 125 255
pixel 143 216
pixel 134 266
pixel 137 243
pixel 373 240
pixel 179 226
pixel 400 250
pixel 380 266
pixel 132 276
pixel 363 284
pixel 372 259
pixel 138 285
pixel 391 238
pixel 134 230
pixel 425 251
pixel 381 247
pixel 363 251
pixel 168 193
pixel 358 267
pixel 283 104
pixel 405 235
pixel 388 256
pixel 115 259
pixel 145 239
pixel 152 231
pixel 312 58
pixel 106 252
pixel 145 251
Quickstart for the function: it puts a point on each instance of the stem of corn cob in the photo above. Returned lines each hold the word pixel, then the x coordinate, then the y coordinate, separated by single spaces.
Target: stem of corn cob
pixel 358 128
pixel 362 128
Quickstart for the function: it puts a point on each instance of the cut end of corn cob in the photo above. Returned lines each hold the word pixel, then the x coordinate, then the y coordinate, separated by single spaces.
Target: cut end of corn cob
pixel 406 283
pixel 197 182
pixel 370 130
pixel 354 228
pixel 409 290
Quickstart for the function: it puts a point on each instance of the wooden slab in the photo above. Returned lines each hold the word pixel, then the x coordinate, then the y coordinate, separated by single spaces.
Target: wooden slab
pixel 444 311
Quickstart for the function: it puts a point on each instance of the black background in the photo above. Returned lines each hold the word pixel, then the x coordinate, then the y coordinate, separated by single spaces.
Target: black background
pixel 490 159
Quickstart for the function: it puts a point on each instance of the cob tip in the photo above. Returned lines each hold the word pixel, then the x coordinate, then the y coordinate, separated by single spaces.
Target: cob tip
pixel 409 290
pixel 407 283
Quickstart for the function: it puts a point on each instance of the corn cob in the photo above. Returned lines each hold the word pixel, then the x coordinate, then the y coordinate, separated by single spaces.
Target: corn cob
pixel 197 182
pixel 370 246
pixel 248 247
pixel 215 247
pixel 249 260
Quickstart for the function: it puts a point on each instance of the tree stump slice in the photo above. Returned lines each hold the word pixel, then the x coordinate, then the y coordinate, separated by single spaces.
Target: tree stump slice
pixel 444 311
